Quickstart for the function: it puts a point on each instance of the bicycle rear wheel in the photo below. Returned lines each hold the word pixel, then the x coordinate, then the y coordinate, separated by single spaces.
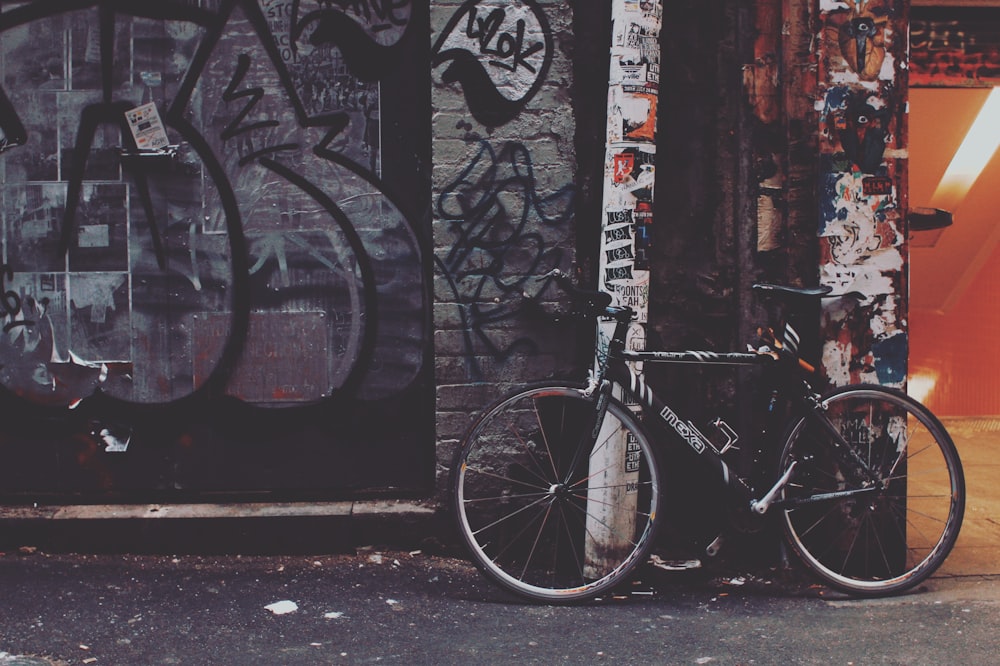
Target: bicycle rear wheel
pixel 547 510
pixel 880 533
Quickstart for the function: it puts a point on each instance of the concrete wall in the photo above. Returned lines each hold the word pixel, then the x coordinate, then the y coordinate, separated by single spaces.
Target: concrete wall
pixel 281 304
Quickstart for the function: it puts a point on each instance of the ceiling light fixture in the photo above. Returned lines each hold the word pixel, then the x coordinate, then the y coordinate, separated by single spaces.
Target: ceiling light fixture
pixel 971 157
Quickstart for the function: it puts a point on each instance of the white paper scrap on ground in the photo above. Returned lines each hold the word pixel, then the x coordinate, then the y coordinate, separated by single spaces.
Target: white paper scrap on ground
pixel 282 607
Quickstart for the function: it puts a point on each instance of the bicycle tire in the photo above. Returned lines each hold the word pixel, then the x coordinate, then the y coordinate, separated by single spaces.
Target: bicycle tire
pixel 533 517
pixel 887 536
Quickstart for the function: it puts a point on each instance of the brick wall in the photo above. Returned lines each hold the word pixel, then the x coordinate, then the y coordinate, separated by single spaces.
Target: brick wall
pixel 504 199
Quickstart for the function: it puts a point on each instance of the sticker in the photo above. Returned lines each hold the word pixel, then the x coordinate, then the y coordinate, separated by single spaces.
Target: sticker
pixel 633 454
pixel 147 129
pixel 876 186
pixel 623 165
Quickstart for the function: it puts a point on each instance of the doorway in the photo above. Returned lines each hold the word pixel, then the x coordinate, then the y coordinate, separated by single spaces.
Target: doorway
pixel 955 271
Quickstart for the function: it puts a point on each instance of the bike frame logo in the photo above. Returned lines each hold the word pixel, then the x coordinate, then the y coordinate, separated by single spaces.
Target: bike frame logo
pixel 683 429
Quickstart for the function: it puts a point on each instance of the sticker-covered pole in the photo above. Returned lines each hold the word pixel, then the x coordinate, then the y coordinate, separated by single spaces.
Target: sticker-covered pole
pixel 862 197
pixel 630 154
pixel 626 225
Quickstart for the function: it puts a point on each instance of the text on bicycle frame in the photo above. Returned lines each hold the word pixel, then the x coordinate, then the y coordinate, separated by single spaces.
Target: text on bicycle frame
pixel 686 431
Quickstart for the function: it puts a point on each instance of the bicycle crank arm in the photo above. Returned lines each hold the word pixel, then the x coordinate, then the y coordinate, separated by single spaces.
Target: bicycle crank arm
pixel 764 503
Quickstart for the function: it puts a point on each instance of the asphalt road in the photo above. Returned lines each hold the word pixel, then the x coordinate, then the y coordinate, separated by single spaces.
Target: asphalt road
pixel 397 607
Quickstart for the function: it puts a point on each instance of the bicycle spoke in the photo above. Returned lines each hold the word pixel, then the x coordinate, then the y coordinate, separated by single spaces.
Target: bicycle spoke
pixel 872 534
pixel 819 521
pixel 612 530
pixel 534 545
pixel 806 469
pixel 575 554
pixel 583 482
pixel 850 549
pixel 501 477
pixel 594 500
pixel 920 531
pixel 527 450
pixel 502 498
pixel 593 454
pixel 496 558
pixel 498 521
pixel 619 486
pixel 580 449
pixel 545 439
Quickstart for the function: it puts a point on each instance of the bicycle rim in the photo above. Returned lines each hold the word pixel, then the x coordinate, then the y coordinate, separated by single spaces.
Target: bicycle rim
pixel 876 537
pixel 546 511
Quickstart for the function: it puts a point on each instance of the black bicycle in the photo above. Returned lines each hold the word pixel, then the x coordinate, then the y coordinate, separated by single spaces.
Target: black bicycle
pixel 557 487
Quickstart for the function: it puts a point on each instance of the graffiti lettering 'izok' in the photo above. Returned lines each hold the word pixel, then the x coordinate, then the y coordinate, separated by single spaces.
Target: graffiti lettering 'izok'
pixel 499 52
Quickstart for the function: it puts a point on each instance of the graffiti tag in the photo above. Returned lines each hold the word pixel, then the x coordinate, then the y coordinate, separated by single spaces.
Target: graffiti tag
pixel 499 248
pixel 499 56
pixel 10 301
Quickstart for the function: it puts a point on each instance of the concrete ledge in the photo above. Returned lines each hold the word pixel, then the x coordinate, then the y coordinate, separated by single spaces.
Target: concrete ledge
pixel 249 528
pixel 234 510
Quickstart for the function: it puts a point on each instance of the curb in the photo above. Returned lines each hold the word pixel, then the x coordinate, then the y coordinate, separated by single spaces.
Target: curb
pixel 219 529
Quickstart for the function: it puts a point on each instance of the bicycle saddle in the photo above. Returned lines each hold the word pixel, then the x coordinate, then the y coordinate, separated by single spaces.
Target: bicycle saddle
pixel 821 290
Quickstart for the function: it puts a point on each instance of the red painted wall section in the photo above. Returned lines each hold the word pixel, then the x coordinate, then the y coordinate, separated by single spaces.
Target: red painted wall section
pixel 958 350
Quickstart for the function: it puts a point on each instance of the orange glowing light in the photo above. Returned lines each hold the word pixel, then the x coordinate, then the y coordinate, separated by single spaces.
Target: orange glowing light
pixel 921 385
pixel 972 156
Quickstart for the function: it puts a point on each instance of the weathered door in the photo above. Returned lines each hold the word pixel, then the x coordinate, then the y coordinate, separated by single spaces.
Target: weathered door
pixel 215 266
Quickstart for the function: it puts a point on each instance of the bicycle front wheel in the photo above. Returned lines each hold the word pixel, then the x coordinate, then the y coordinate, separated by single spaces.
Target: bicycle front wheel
pixel 878 530
pixel 548 510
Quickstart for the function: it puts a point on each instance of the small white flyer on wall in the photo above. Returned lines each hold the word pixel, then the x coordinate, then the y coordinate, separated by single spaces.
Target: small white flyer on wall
pixel 147 128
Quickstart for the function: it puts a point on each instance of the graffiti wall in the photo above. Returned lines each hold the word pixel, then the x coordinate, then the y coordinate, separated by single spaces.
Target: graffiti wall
pixel 216 256
pixel 862 189
pixel 504 195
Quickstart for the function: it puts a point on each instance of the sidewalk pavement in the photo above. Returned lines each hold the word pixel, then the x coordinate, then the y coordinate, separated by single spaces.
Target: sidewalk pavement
pixel 412 608
pixel 978 443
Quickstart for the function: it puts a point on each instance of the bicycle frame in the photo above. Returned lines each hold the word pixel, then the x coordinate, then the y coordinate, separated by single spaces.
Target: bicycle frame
pixel 615 369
